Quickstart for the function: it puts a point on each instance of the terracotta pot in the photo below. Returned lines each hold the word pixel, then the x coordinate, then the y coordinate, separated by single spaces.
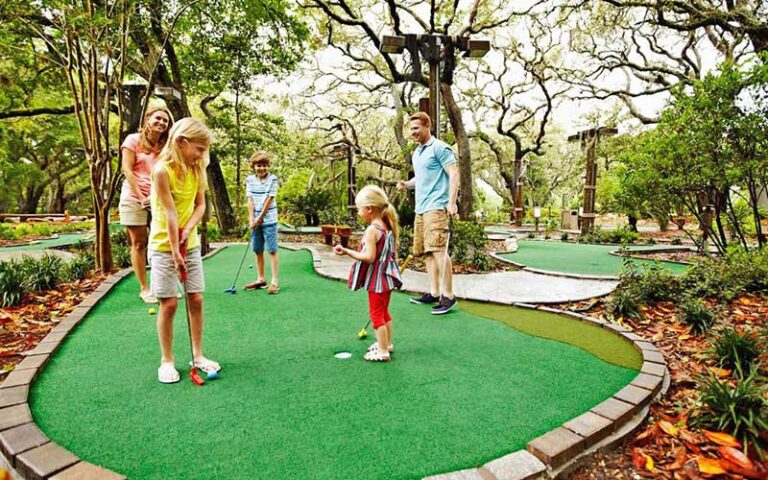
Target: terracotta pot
pixel 328 233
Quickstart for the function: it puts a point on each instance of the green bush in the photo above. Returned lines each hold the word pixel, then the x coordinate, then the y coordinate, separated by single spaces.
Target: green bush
pixel 468 241
pixel 564 236
pixel 650 241
pixel 8 232
pixel 79 267
pixel 42 229
pixel 676 241
pixel 212 231
pixel 405 243
pixel 657 283
pixel 120 237
pixel 624 302
pixel 531 235
pixel 695 313
pixel 735 351
pixel 12 283
pixel 43 273
pixel 738 408
pixel 726 278
pixel 121 256
pixel 22 230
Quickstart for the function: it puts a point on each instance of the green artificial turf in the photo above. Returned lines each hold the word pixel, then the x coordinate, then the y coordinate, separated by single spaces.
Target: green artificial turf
pixel 598 341
pixel 461 390
pixel 62 240
pixel 579 258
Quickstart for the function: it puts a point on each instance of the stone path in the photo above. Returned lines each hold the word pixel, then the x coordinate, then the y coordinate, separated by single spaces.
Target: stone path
pixel 502 287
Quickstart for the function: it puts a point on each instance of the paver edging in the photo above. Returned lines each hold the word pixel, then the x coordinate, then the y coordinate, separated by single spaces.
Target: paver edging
pixel 34 459
pixel 655 250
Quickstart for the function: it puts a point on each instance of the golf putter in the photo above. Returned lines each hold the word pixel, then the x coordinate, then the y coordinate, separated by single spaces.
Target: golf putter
pixel 447 254
pixel 183 274
pixel 233 289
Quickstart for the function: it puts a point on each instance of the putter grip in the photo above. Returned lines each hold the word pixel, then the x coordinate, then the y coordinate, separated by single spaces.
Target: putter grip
pixel 183 251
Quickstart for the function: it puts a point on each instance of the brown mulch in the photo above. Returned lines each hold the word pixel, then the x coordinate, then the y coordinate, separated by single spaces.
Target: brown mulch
pixel 23 326
pixel 681 256
pixel 668 446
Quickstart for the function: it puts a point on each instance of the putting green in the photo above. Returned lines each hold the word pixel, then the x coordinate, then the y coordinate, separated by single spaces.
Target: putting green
pixel 580 258
pixel 62 240
pixel 462 389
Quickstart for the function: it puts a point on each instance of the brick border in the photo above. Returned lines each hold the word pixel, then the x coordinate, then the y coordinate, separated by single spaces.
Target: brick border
pixel 31 455
pixel 24 449
pixel 559 450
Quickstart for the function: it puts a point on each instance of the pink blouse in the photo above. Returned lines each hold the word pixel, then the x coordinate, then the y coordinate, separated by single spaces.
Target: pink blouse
pixel 142 167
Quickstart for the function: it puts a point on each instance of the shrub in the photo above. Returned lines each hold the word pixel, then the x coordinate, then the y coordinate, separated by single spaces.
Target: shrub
pixel 121 256
pixel 12 285
pixel 531 235
pixel 212 231
pixel 657 283
pixel 726 278
pixel 695 313
pixel 8 232
pixel 621 235
pixel 468 240
pixel 79 267
pixel 738 408
pixel 43 273
pixel 624 302
pixel 676 241
pixel 564 236
pixel 650 241
pixel 734 350
pixel 42 229
pixel 405 242
pixel 120 237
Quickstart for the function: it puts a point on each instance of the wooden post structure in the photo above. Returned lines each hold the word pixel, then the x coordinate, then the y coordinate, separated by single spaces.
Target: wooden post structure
pixel 589 139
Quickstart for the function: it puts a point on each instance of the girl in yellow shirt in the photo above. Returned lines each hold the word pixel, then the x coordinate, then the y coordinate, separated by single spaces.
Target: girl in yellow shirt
pixel 178 203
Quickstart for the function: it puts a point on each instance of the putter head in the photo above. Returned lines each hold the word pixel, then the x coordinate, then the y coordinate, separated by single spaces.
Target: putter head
pixel 195 376
pixel 362 334
pixel 231 290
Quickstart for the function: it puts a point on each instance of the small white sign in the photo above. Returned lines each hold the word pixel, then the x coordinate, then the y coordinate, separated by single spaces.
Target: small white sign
pixel 537 212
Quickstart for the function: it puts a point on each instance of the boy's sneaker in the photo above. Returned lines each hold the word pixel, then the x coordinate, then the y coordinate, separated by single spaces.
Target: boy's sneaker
pixel 425 299
pixel 445 306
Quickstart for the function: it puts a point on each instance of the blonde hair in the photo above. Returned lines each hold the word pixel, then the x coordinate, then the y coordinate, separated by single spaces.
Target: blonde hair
pixel 374 197
pixel 259 157
pixel 192 130
pixel 423 118
pixel 144 133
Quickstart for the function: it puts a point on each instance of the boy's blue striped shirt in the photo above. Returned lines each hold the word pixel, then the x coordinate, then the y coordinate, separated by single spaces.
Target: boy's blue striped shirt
pixel 260 191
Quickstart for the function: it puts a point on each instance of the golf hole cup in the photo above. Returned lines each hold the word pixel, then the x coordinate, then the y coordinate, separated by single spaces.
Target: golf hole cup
pixel 343 355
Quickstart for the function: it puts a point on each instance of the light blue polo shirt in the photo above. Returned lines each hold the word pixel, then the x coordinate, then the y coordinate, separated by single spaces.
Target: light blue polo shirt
pixel 432 183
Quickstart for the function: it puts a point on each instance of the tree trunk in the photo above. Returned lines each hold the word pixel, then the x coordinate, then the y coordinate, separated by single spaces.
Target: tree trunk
pixel 519 212
pixel 219 195
pixel 466 199
pixel 632 220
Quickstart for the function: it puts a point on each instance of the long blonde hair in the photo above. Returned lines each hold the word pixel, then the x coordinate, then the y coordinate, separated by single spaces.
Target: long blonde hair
pixel 374 197
pixel 192 130
pixel 144 133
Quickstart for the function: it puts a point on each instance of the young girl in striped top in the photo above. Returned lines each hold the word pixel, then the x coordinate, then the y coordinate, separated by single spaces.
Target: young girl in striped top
pixel 376 267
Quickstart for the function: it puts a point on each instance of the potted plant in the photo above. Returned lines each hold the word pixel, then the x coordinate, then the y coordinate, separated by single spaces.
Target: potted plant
pixel 328 233
pixel 344 232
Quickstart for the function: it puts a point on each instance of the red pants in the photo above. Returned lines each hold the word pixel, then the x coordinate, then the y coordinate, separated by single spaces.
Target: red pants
pixel 378 308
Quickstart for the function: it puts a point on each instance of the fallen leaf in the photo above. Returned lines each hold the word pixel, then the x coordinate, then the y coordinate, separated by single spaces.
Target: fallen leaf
pixel 720 372
pixel 681 454
pixel 710 466
pixel 638 457
pixel 721 438
pixel 649 463
pixel 736 457
pixel 747 472
pixel 668 428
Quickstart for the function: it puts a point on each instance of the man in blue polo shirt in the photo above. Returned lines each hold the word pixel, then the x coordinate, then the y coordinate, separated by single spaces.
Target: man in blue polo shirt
pixel 436 182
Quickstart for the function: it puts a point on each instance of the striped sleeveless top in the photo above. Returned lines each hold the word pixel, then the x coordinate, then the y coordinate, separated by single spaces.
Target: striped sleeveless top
pixel 382 275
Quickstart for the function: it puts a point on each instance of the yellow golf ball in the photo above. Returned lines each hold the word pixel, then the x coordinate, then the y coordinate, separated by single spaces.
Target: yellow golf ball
pixel 152 311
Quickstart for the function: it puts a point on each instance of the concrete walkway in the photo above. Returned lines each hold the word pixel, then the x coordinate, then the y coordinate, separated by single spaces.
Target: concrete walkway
pixel 502 287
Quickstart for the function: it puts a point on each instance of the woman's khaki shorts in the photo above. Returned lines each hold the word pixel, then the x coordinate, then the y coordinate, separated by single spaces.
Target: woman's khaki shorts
pixel 132 214
pixel 430 231
pixel 164 280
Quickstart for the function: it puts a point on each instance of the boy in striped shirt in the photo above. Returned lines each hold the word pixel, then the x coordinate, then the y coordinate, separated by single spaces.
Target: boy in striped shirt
pixel 261 190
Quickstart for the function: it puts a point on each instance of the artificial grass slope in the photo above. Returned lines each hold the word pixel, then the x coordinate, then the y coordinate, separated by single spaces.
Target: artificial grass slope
pixel 579 258
pixel 461 390
pixel 603 344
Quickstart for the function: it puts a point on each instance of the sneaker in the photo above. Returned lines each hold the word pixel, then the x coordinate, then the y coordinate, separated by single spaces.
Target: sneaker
pixel 445 306
pixel 425 299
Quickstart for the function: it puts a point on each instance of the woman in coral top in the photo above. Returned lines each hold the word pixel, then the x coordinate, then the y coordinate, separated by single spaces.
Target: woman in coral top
pixel 140 150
